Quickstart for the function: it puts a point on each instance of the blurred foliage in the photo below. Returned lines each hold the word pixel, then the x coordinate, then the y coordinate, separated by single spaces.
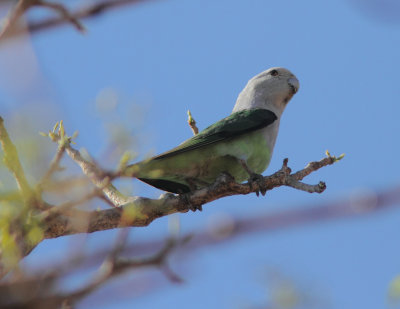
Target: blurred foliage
pixel 285 292
pixel 122 119
pixel 394 291
pixel 20 228
pixel 384 11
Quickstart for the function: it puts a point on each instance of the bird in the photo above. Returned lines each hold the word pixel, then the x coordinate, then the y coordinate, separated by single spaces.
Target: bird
pixel 240 144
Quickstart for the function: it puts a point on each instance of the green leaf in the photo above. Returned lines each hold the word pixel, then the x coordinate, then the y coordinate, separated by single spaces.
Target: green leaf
pixel 55 127
pixel 190 118
pixel 61 130
pixel 126 157
pixel 53 136
pixel 35 235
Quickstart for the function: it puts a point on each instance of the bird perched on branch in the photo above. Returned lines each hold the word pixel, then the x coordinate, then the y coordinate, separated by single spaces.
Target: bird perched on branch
pixel 240 144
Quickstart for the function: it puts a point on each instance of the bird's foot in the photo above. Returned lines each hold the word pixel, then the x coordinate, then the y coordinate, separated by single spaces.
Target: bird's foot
pixel 254 178
pixel 186 200
pixel 259 180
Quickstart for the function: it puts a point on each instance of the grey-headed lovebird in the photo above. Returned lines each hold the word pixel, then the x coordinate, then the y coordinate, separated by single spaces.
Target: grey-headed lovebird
pixel 240 144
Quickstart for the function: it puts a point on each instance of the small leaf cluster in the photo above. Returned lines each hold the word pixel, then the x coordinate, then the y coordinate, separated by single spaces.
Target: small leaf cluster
pixel 59 135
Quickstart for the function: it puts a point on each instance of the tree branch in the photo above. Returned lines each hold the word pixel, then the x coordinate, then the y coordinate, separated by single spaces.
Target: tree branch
pixel 11 27
pixel 11 20
pixel 99 178
pixel 38 291
pixel 54 166
pixel 64 13
pixel 192 123
pixel 142 211
pixel 222 233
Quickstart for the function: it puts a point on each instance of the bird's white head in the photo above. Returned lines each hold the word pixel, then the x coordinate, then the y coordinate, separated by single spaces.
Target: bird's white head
pixel 271 89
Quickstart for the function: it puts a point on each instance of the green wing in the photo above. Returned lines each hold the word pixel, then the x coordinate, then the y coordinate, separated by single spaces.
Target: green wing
pixel 234 125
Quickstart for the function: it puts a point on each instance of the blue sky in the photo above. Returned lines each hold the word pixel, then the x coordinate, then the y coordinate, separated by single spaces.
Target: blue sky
pixel 162 58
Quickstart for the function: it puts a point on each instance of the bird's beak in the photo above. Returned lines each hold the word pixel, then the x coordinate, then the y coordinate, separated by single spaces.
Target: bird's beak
pixel 294 84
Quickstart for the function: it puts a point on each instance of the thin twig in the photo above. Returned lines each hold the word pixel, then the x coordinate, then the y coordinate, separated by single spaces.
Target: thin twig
pixel 192 123
pixel 99 178
pixel 115 265
pixel 12 28
pixel 63 208
pixel 64 13
pixel 38 291
pixel 67 184
pixel 90 11
pixel 15 13
pixel 54 166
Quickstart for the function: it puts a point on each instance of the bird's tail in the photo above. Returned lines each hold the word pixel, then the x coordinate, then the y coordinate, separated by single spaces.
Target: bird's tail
pixel 150 176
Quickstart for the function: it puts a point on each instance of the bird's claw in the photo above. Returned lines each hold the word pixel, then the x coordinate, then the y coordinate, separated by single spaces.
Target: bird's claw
pixel 258 179
pixel 186 200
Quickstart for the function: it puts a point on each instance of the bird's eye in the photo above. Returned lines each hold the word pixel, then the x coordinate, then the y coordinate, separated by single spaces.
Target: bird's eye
pixel 274 73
